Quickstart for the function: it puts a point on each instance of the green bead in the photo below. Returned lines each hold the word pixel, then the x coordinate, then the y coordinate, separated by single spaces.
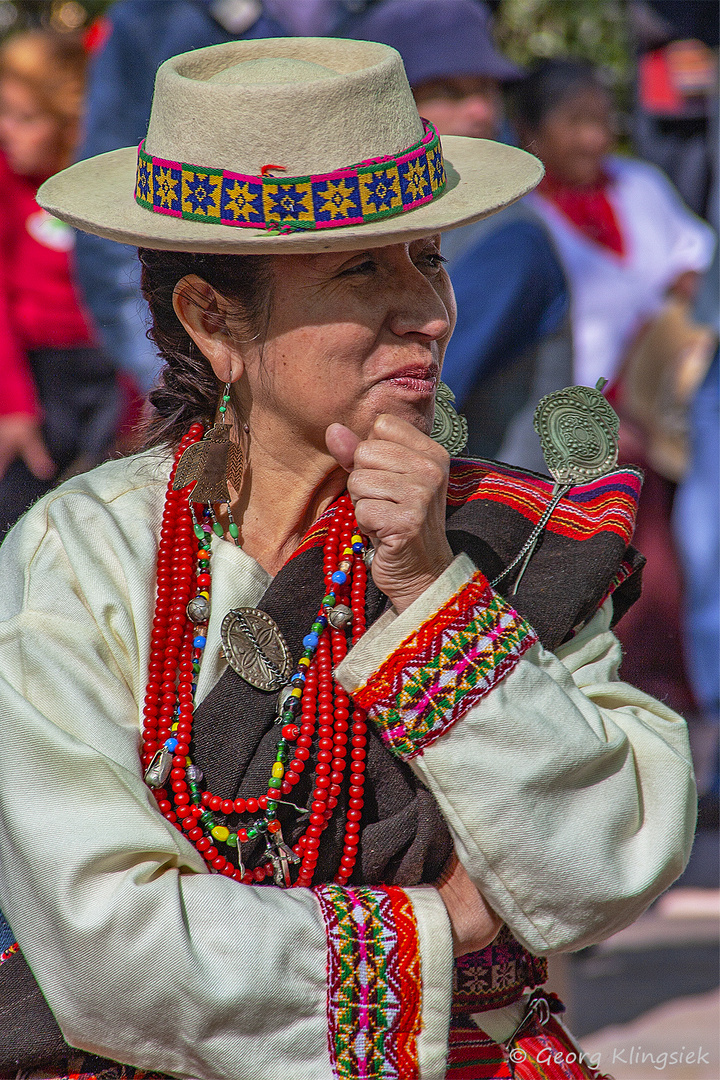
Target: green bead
pixel 226 397
pixel 196 798
pixel 328 601
pixel 272 807
pixel 207 819
pixel 203 563
pixel 282 755
pixel 317 628
pixel 193 787
pixel 251 834
pixel 218 529
pixel 308 653
pixel 199 532
pixel 233 530
pixel 232 840
pixel 274 782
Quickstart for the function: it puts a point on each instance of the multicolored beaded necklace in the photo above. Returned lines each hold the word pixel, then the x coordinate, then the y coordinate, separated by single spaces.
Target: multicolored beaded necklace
pixel 316 717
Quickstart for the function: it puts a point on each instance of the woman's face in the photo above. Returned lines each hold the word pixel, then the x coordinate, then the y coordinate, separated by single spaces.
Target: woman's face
pixel 575 136
pixel 351 334
pixel 30 137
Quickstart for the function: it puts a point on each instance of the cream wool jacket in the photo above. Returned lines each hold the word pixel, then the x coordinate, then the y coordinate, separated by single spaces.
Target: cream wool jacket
pixel 569 795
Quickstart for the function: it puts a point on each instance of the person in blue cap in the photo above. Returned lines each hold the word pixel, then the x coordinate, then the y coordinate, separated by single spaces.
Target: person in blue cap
pixel 512 342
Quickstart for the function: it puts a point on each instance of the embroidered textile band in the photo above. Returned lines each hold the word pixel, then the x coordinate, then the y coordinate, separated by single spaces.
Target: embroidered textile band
pixel 379 188
pixel 444 668
pixel 374 986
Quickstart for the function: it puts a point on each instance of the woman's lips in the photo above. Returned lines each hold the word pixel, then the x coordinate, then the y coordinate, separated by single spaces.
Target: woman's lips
pixel 419 380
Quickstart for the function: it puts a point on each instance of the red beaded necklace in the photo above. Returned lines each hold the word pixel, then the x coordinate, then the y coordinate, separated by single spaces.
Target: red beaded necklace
pixel 319 721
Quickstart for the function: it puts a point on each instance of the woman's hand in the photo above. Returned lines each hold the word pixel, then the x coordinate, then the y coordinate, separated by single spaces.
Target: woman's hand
pixel 20 436
pixel 474 924
pixel 398 484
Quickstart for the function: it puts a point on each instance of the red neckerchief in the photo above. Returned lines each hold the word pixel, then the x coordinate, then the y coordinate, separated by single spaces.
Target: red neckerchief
pixel 588 208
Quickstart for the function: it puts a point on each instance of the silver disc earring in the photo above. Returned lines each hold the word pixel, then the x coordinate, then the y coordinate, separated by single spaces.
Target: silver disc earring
pixel 449 428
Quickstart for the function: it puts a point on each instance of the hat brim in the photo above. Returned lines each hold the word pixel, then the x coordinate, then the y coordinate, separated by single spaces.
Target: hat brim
pixel 97 196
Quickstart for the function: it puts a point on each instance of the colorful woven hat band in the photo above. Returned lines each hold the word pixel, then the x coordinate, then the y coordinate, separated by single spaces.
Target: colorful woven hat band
pixel 379 188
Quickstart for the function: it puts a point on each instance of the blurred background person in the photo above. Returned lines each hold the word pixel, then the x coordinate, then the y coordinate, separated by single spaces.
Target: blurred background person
pixel 676 44
pixel 512 342
pixel 60 402
pixel 633 253
pixel 625 237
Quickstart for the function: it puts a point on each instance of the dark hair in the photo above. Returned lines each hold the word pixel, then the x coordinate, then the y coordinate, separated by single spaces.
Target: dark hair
pixel 550 84
pixel 188 391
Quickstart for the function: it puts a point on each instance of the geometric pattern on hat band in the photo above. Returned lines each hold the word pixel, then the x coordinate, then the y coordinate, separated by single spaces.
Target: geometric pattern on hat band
pixel 374 189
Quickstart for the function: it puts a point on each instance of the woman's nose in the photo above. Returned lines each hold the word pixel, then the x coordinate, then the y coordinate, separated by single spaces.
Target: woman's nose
pixel 418 309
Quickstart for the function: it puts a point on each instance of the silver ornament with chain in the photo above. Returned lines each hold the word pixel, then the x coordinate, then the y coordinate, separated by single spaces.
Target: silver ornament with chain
pixel 578 432
pixel 255 649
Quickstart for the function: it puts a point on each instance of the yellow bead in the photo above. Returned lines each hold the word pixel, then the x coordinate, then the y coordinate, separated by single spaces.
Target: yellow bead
pixel 205 593
pixel 304 661
pixel 220 832
pixel 296 692
pixel 278 770
pixel 356 538
pixel 174 727
pixel 347 551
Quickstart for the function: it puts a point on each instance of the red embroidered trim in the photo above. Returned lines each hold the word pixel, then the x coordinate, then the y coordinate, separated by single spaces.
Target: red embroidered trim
pixel 374 986
pixel 605 505
pixel 441 670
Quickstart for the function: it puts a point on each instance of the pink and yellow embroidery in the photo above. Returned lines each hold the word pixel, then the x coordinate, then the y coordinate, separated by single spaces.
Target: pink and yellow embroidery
pixel 374 988
pixel 445 667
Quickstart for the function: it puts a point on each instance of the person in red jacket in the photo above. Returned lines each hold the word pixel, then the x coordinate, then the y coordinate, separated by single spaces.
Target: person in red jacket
pixel 59 401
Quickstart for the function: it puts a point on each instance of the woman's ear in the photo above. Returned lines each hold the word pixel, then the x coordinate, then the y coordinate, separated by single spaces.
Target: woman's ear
pixel 203 313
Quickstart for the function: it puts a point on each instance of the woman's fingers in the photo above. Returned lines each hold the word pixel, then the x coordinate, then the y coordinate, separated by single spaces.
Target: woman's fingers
pixel 398 482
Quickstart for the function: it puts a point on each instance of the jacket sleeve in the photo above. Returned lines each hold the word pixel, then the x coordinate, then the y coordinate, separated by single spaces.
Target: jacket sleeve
pixel 142 955
pixel 569 794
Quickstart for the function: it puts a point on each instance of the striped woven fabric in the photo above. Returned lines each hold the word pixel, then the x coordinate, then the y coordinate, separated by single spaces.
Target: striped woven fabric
pixel 540 1052
pixel 608 504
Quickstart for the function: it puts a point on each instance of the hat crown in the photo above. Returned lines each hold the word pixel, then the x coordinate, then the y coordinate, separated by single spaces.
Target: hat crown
pixel 310 105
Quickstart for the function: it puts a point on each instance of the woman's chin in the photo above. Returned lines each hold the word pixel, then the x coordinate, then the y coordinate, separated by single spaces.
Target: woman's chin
pixel 417 408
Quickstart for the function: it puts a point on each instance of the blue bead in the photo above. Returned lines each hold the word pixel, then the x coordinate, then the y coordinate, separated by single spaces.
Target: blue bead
pixel 358 547
pixel 339 577
pixel 322 620
pixel 171 745
pixel 199 641
pixel 310 641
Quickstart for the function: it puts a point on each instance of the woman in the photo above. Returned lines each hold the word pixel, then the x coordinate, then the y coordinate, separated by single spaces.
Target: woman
pixel 625 237
pixel 312 363
pixel 60 403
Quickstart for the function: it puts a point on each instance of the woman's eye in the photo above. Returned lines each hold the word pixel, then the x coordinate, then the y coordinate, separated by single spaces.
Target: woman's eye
pixel 365 267
pixel 432 259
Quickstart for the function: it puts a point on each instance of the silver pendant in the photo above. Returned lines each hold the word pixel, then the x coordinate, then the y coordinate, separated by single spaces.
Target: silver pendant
pixel 159 768
pixel 281 857
pixel 255 648
pixel 578 432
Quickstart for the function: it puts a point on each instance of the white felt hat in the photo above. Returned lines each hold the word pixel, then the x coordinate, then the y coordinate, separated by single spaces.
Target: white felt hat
pixel 287 144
